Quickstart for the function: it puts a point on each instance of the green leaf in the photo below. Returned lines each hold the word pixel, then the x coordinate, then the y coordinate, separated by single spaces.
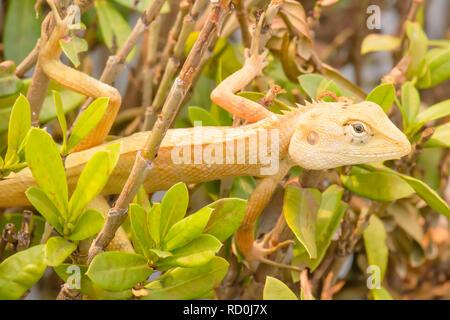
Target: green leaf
pixel 300 209
pixel 428 195
pixel 184 231
pixel 10 85
pixel 437 111
pixel 328 85
pixel 19 124
pixel 200 114
pixel 422 189
pixel 310 83
pixel 375 243
pixel 173 207
pixel 430 161
pixel 114 28
pixel 21 271
pixel 440 137
pixel 329 216
pixel 138 219
pixel 154 223
pixel 21 30
pixel 225 218
pixel 349 88
pixel 242 187
pixel 407 218
pixel 410 102
pixel 89 224
pixel 437 68
pixel 379 42
pixel 72 46
pixel 87 287
pixel 87 121
pixel 187 283
pixel 70 101
pixel 142 199
pixel 92 180
pixel 379 186
pixel 45 163
pixel 142 5
pixel 61 117
pixel 275 289
pixel 380 294
pixel 197 252
pixel 57 250
pixel 383 95
pixel 117 271
pixel 45 206
pixel 418 44
pixel 161 254
pixel 315 84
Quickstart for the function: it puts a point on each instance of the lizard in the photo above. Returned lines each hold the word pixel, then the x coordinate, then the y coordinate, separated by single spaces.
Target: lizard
pixel 319 135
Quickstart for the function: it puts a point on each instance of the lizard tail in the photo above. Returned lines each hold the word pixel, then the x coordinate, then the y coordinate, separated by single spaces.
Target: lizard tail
pixel 13 187
pixel 84 84
pixel 120 242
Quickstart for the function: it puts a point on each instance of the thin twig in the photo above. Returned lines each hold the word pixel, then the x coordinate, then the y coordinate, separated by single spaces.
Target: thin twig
pixel 23 236
pixel 305 285
pixel 241 15
pixel 145 157
pixel 329 290
pixel 172 65
pixel 270 96
pixel 185 7
pixel 8 230
pixel 148 73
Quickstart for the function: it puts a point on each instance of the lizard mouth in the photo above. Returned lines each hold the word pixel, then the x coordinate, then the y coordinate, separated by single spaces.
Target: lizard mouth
pixel 385 154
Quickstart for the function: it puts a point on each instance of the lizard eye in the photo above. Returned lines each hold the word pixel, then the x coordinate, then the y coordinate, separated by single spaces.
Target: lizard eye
pixel 358 128
pixel 357 132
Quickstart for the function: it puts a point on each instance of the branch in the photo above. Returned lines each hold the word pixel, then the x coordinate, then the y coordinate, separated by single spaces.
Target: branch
pixel 23 236
pixel 145 157
pixel 172 65
pixel 241 15
pixel 8 230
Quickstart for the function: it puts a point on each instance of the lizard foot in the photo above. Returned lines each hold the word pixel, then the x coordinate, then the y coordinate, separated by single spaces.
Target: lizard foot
pixel 258 253
pixel 256 60
pixel 72 12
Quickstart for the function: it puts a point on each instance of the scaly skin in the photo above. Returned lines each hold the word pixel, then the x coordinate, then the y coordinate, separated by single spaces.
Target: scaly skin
pixel 332 149
pixel 317 136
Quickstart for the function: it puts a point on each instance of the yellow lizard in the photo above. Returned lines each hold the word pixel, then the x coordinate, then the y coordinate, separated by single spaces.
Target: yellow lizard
pixel 316 136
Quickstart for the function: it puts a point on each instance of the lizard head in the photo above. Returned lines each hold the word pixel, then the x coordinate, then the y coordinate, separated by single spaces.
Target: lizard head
pixel 330 135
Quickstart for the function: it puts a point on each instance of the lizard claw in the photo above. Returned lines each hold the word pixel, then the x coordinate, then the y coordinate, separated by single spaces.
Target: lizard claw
pixel 72 12
pixel 256 60
pixel 258 253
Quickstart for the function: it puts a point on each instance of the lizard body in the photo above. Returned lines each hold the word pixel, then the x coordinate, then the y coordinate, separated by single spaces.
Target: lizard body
pixel 317 136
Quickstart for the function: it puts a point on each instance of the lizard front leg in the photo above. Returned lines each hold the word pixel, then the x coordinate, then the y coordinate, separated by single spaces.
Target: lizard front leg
pixel 244 236
pixel 224 94
pixel 77 81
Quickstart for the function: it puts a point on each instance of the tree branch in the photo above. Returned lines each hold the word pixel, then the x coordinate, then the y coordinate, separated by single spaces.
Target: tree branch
pixel 145 157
